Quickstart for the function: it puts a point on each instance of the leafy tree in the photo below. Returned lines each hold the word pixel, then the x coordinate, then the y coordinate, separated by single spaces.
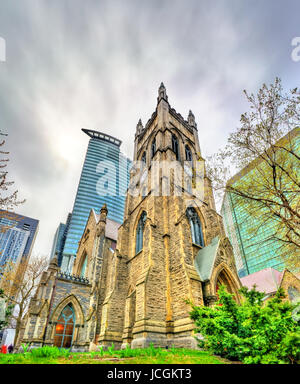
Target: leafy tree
pixel 8 310
pixel 266 147
pixel 8 198
pixel 253 331
pixel 19 284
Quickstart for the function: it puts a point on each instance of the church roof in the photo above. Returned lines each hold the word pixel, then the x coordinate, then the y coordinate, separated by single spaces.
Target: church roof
pixel 204 261
pixel 111 228
pixel 267 280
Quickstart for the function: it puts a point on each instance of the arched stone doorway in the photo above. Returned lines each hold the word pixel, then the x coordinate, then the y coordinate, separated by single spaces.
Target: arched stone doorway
pixel 223 280
pixel 64 328
pixel 224 277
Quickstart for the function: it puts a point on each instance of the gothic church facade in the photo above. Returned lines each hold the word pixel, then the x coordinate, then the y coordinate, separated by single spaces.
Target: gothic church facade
pixel 131 283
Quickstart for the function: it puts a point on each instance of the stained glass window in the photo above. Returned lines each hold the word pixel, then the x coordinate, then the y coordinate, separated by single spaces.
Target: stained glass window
pixel 64 328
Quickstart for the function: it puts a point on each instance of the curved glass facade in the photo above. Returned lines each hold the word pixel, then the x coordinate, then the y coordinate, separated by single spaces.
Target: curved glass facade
pixel 104 179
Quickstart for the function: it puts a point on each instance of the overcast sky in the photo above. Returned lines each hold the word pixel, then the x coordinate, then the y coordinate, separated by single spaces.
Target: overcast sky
pixel 98 64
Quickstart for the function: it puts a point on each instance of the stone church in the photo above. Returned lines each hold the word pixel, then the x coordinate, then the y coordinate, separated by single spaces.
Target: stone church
pixel 130 283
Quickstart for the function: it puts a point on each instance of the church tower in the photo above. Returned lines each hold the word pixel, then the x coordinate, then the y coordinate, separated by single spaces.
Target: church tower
pixel 171 246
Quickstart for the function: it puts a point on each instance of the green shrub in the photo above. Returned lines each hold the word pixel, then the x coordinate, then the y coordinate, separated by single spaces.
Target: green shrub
pixel 111 350
pixel 253 332
pixel 101 351
pixel 25 348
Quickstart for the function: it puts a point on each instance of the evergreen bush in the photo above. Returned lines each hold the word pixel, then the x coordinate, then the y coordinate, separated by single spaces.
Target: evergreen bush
pixel 254 332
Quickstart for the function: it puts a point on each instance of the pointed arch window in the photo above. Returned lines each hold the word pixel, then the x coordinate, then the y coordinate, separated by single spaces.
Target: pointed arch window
pixel 140 233
pixel 175 146
pixel 83 268
pixel 153 148
pixel 196 228
pixel 144 158
pixel 188 154
pixel 64 328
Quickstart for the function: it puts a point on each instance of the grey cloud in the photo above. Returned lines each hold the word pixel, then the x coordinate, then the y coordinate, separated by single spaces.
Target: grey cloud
pixel 98 64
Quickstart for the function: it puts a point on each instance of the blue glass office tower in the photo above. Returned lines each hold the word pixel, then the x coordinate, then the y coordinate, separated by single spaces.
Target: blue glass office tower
pixel 17 236
pixel 60 240
pixel 104 179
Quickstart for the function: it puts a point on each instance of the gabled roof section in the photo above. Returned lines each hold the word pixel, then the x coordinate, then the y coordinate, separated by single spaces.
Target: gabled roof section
pixel 111 228
pixel 205 259
pixel 267 280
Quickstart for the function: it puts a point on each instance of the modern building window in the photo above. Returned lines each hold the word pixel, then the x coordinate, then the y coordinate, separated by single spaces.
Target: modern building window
pixel 175 146
pixel 188 153
pixel 196 228
pixel 140 233
pixel 153 148
pixel 64 328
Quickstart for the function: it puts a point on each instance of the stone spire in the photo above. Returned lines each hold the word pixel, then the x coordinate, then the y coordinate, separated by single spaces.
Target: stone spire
pixel 103 213
pixel 191 120
pixel 53 263
pixel 139 127
pixel 162 93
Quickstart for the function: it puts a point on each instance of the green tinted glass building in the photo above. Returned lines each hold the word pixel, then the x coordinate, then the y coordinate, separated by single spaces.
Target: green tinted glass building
pixel 104 179
pixel 253 251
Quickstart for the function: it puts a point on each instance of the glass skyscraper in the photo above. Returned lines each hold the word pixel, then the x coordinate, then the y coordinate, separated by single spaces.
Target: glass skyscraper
pixel 252 251
pixel 60 240
pixel 17 236
pixel 104 179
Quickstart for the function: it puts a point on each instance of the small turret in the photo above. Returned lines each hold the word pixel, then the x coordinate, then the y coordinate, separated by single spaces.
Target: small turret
pixel 139 127
pixel 162 93
pixel 54 263
pixel 191 120
pixel 103 213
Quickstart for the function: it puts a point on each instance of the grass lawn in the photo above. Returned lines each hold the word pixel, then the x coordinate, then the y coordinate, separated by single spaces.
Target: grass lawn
pixel 137 356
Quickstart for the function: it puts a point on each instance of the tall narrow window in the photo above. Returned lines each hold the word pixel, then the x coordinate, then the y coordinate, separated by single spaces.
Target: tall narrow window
pixel 153 148
pixel 64 328
pixel 140 233
pixel 175 146
pixel 188 153
pixel 83 268
pixel 144 158
pixel 196 228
